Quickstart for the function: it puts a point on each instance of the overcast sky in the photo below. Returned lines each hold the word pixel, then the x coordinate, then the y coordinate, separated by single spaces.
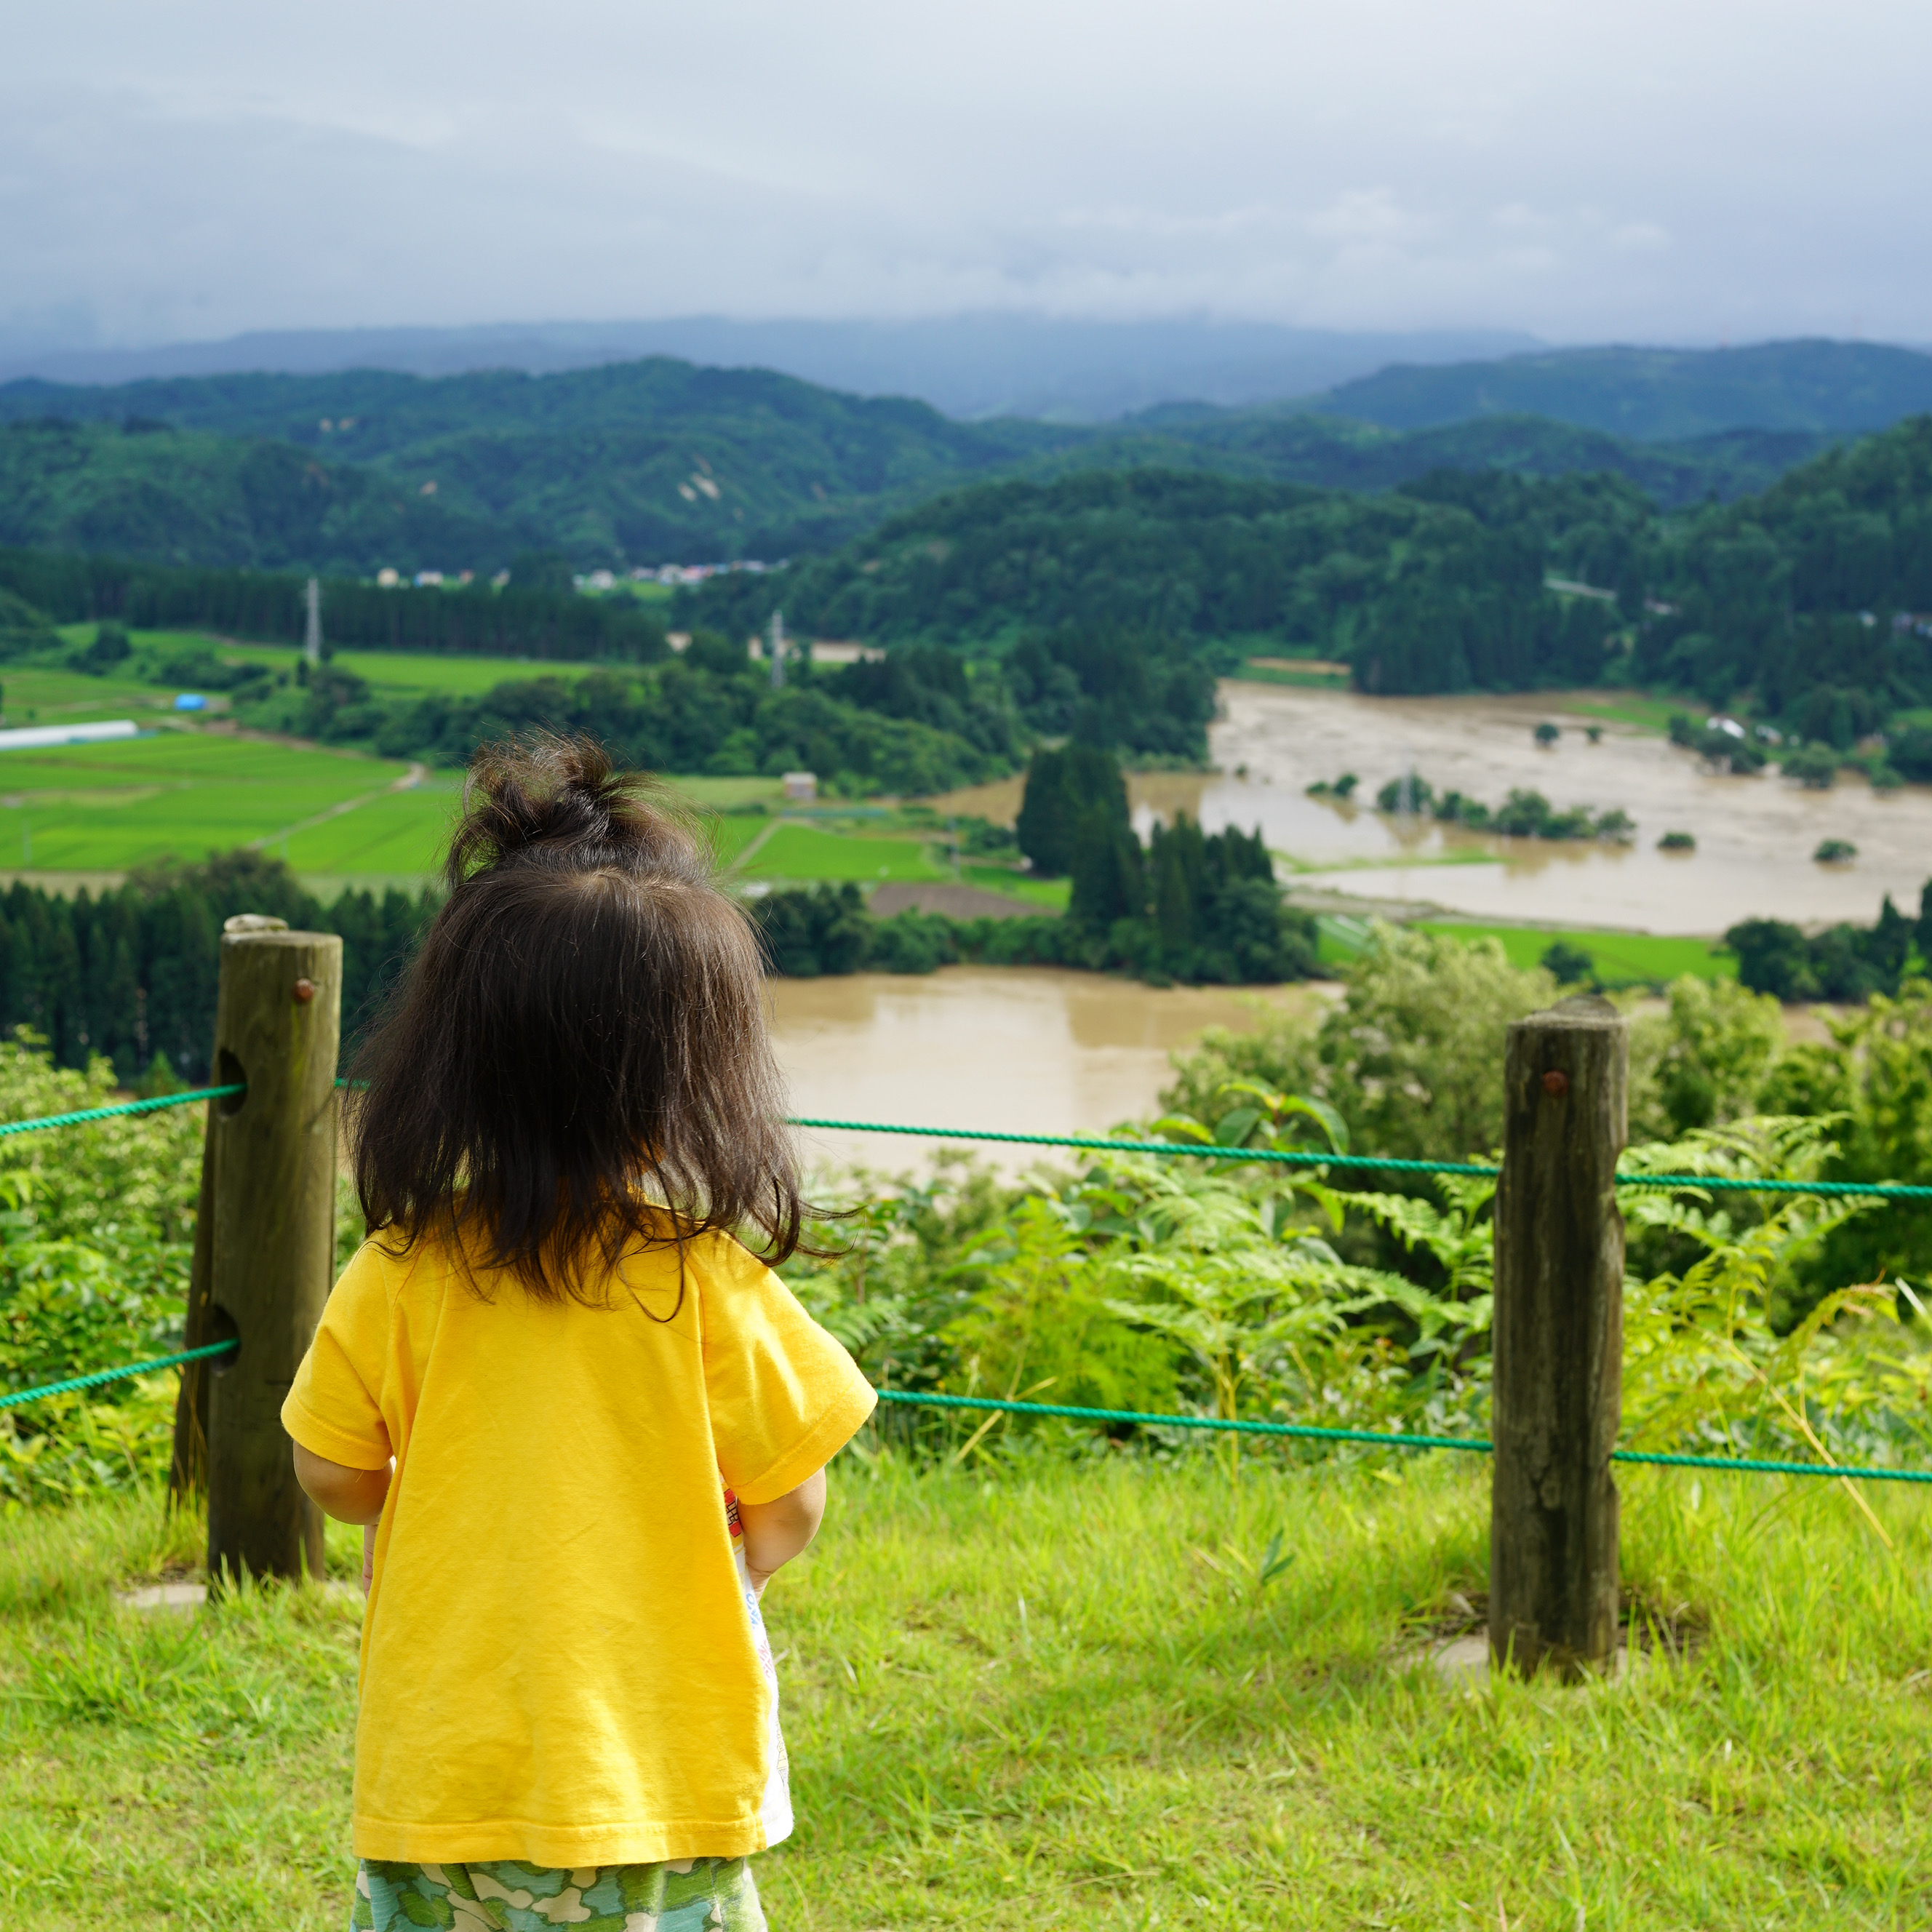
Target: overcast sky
pixel 1693 171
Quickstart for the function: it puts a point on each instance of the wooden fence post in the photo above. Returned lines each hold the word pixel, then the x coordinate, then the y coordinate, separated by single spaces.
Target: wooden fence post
pixel 1558 1341
pixel 269 1201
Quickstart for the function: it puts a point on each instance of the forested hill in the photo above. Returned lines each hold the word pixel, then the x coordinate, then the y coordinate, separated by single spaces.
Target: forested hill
pixel 1817 593
pixel 637 462
pixel 1658 394
pixel 659 461
pixel 1222 561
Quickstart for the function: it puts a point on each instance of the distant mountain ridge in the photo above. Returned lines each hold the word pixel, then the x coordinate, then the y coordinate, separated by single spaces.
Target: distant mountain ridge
pixel 660 460
pixel 1817 385
pixel 971 366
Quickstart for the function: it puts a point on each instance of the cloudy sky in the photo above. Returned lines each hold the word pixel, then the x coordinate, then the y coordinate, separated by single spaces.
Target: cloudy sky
pixel 1697 171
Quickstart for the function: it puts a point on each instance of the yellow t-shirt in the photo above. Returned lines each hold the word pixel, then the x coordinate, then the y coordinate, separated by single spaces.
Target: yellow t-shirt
pixel 558 1663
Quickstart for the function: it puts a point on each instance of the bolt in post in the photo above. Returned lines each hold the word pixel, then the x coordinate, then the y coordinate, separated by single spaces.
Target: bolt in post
pixel 1558 1341
pixel 271 1247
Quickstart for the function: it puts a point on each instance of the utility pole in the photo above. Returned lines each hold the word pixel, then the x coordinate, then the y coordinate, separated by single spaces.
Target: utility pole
pixel 777 644
pixel 312 631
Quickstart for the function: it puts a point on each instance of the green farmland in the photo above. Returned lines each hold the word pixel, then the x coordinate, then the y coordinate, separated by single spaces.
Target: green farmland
pixel 1616 955
pixel 181 794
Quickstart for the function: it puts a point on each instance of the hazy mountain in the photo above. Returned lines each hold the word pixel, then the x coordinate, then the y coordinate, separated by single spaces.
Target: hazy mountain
pixel 1652 395
pixel 969 366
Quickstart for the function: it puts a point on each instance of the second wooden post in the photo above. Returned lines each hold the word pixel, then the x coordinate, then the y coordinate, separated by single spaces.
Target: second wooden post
pixel 1558 1344
pixel 271 1250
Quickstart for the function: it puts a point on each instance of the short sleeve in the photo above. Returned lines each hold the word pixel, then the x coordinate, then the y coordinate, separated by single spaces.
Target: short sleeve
pixel 784 1396
pixel 334 1408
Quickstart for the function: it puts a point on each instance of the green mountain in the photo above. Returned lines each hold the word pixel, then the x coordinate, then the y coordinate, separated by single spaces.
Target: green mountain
pixel 639 462
pixel 1657 395
pixel 1815 595
pixel 648 462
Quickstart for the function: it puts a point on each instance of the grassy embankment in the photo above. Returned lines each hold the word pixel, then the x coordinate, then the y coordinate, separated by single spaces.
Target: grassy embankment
pixel 1057 1695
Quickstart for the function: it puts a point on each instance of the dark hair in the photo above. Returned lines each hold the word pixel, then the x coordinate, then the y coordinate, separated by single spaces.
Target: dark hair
pixel 579 1045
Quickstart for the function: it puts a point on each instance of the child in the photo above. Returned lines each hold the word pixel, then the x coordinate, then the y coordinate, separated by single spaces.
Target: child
pixel 552 1377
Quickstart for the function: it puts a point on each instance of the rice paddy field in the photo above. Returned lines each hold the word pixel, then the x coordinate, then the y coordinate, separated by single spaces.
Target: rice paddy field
pixel 1616 956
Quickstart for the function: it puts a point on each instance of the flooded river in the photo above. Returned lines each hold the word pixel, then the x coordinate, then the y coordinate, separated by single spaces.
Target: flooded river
pixel 1755 836
pixel 1011 1050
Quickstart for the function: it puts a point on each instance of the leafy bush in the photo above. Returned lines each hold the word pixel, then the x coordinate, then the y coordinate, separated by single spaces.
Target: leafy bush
pixel 1847 963
pixel 1814 766
pixel 96 1235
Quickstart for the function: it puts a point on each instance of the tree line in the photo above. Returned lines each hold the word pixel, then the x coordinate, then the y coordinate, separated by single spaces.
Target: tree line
pixel 537 622
pixel 132 974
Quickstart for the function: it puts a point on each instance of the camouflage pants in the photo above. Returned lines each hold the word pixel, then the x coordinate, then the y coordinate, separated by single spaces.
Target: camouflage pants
pixel 685 1895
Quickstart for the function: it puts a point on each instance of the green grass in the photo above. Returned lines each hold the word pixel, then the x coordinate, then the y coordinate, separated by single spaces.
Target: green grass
pixel 1253 673
pixel 1650 711
pixel 808 852
pixel 1055 1696
pixel 1617 955
pixel 1011 884
pixel 406 674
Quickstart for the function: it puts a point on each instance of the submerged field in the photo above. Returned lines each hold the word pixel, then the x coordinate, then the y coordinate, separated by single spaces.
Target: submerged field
pixel 1047 1693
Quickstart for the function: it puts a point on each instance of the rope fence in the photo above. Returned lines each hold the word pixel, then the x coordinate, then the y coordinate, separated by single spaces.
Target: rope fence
pixel 1879 1190
pixel 81 1117
pixel 1296 1158
pixel 1390 1439
pixel 101 1376
pixel 1882 1190
pixel 1302 1432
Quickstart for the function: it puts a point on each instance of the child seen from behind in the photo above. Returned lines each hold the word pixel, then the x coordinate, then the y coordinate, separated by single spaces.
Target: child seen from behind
pixel 583 1420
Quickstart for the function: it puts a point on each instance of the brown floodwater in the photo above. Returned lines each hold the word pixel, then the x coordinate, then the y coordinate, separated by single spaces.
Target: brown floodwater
pixel 1007 1049
pixel 1755 836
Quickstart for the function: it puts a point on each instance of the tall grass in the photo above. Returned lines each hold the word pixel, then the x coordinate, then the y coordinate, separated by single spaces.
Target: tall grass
pixel 1055 1691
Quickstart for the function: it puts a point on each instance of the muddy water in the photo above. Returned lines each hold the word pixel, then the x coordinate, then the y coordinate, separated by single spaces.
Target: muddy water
pixel 1755 836
pixel 1016 1049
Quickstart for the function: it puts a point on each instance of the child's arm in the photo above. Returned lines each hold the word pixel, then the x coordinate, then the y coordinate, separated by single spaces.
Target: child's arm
pixel 776 1531
pixel 349 1495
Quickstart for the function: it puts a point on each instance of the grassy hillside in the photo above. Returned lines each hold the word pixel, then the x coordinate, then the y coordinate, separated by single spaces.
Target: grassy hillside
pixel 1655 394
pixel 1033 1691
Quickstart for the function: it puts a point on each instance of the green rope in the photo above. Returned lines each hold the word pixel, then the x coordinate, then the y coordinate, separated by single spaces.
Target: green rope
pixel 1296 1429
pixel 100 1375
pixel 82 1116
pixel 1385 1439
pixel 1379 1163
pixel 1300 1431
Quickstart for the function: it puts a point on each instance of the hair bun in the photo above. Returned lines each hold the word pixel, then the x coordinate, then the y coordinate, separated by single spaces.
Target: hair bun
pixel 552 799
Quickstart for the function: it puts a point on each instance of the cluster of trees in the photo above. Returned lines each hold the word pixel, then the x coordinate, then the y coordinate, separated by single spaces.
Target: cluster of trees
pixel 1525 814
pixel 1202 907
pixel 711 710
pixel 1844 963
pixel 535 620
pixel 133 974
pixel 1186 905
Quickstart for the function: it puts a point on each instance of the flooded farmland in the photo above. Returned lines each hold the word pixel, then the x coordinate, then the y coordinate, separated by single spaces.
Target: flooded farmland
pixel 1755 836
